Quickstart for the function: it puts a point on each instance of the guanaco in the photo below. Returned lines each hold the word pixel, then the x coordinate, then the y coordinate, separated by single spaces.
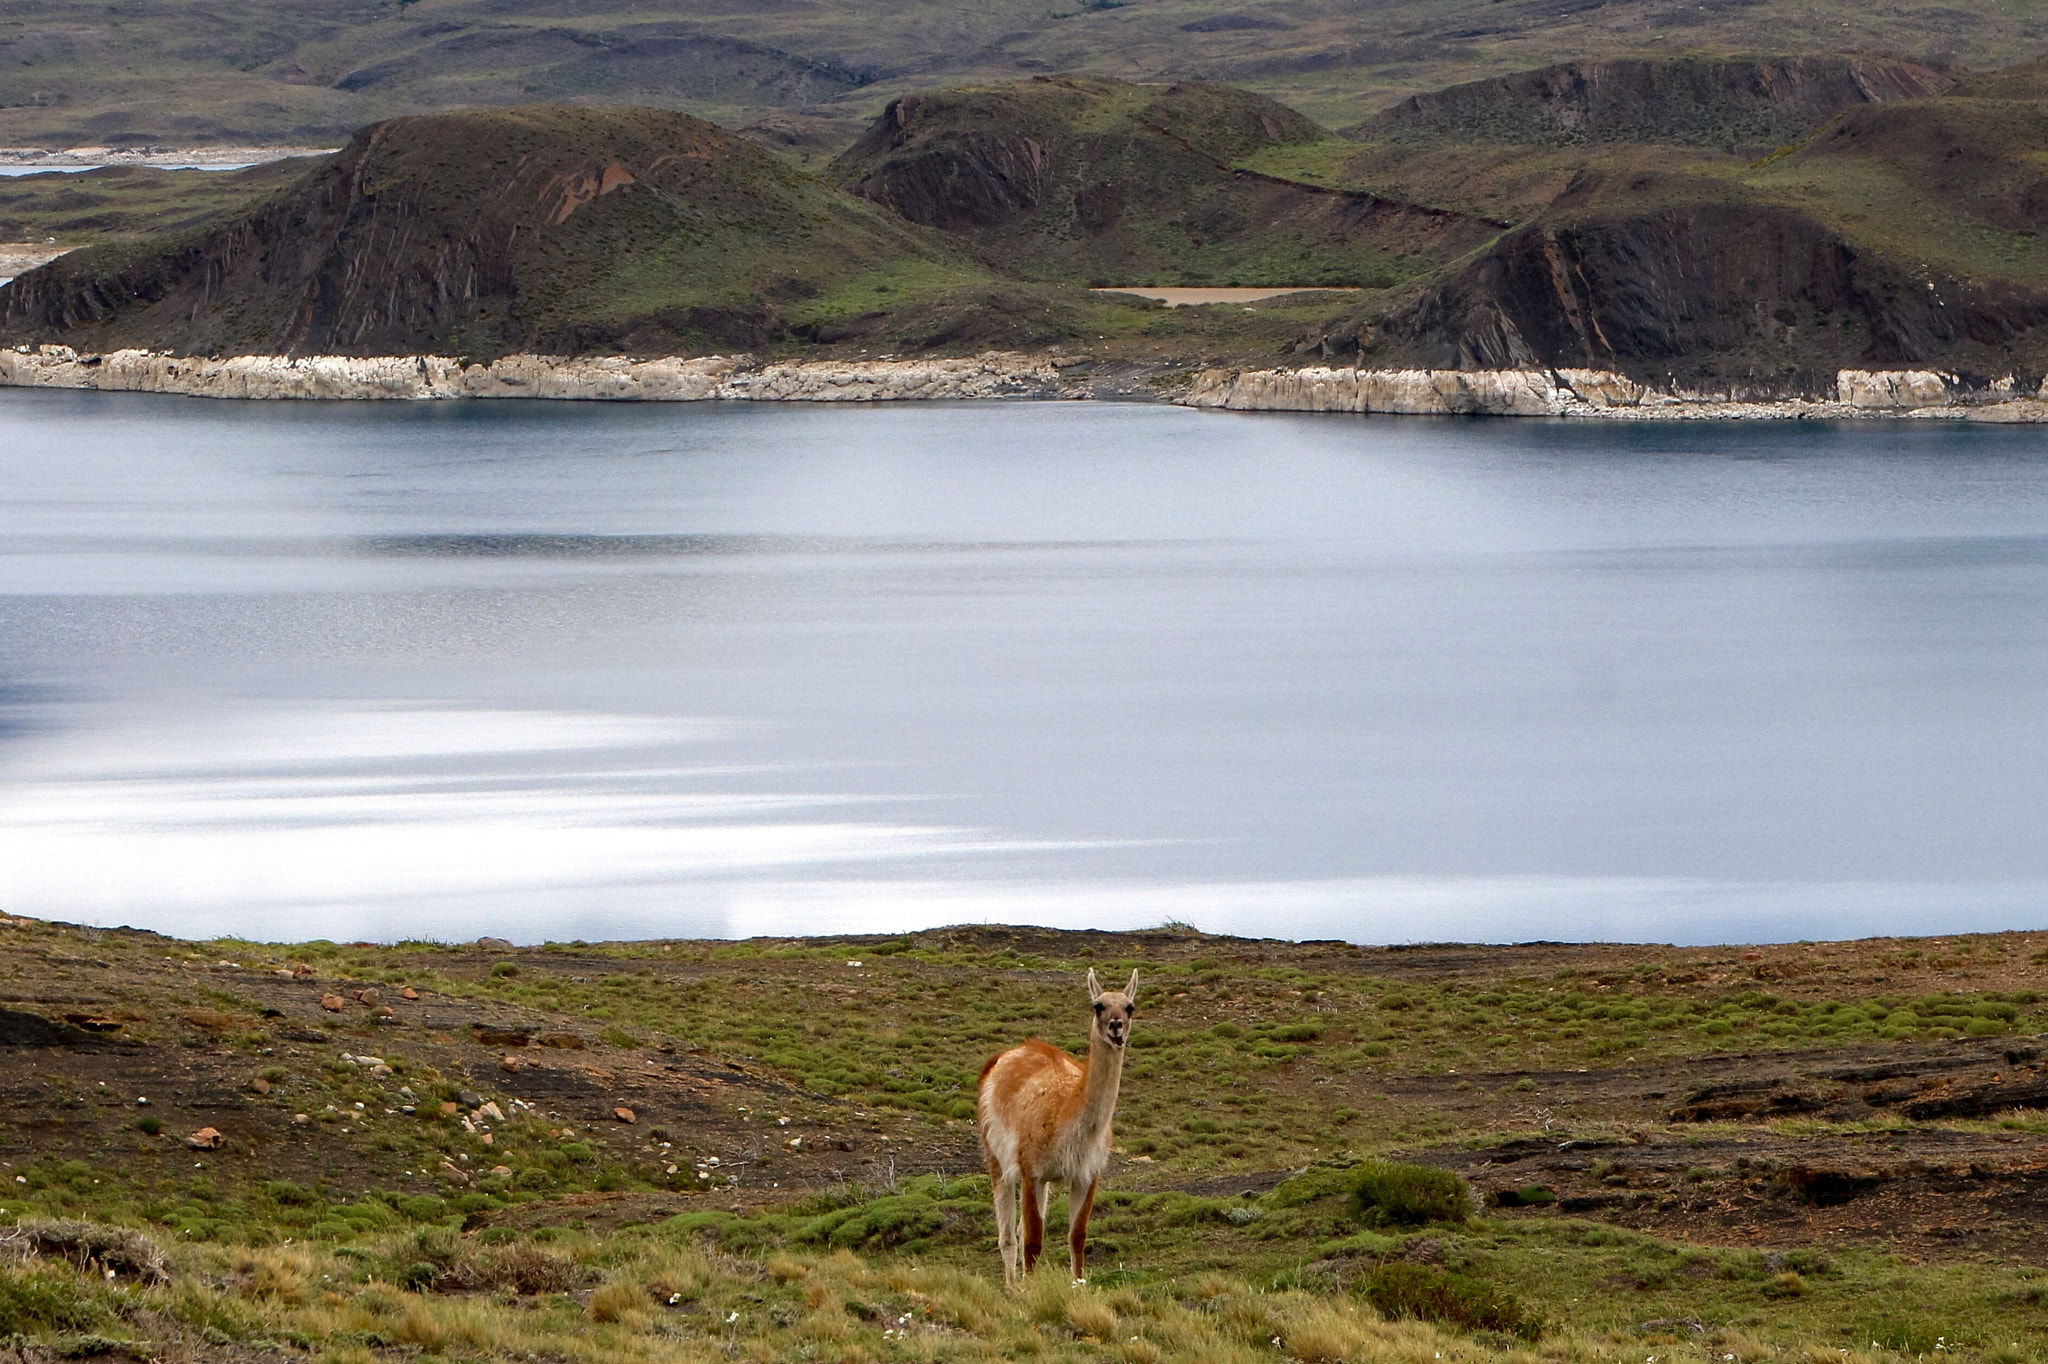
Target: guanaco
pixel 1045 1120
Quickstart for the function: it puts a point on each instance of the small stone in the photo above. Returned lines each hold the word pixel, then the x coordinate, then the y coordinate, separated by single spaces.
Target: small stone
pixel 301 1117
pixel 469 1098
pixel 487 1139
pixel 260 1085
pixel 491 1111
pixel 501 1170
pixel 385 1013
pixel 382 1070
pixel 334 1004
pixel 368 995
pixel 561 1041
pixel 447 1107
pixel 205 1139
pixel 625 1115
pixel 301 971
pixel 511 1064
pixel 408 993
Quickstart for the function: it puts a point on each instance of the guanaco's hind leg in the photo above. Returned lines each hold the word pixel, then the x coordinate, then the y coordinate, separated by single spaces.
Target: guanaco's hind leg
pixel 1034 1195
pixel 1077 1229
pixel 1005 1189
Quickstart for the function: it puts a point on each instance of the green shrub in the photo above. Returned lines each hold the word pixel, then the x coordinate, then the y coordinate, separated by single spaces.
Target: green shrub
pixel 1404 1289
pixel 1385 1191
pixel 1528 1196
pixel 504 969
pixel 149 1126
pixel 291 1195
pixel 34 1303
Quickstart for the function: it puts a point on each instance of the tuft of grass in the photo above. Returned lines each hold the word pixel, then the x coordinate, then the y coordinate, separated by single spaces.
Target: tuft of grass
pixel 1387 1192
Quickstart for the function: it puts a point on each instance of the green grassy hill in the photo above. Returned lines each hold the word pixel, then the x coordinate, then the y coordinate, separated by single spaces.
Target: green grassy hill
pixel 1103 182
pixel 546 227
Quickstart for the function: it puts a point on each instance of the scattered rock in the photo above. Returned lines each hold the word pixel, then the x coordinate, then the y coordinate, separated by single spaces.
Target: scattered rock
pixel 301 971
pixel 511 1065
pixel 501 1170
pixel 260 1085
pixel 492 944
pixel 1671 1326
pixel 469 1098
pixel 448 1108
pixel 367 995
pixel 503 1037
pixel 205 1139
pixel 93 1024
pixel 625 1115
pixel 301 1118
pixel 491 1111
pixel 561 1041
pixel 408 993
pixel 334 1004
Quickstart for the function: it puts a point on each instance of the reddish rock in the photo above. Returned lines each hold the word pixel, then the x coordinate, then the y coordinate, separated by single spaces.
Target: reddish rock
pixel 625 1115
pixel 334 1004
pixel 205 1139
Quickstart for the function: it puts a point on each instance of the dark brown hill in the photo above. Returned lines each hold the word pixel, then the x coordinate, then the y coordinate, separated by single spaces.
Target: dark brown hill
pixel 547 227
pixel 1104 182
pixel 1691 101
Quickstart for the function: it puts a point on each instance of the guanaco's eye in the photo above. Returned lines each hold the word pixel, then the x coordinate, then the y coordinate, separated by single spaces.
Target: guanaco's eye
pixel 1098 1006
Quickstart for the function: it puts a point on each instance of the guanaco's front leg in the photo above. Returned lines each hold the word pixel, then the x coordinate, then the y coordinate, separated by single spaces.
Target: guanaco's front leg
pixel 1077 1229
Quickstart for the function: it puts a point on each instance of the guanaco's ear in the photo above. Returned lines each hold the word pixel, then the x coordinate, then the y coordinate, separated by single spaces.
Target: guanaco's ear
pixel 1094 986
pixel 1131 990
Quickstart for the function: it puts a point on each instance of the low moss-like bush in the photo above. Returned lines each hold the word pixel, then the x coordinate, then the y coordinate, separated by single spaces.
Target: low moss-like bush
pixel 1403 1289
pixel 1387 1192
pixel 32 1304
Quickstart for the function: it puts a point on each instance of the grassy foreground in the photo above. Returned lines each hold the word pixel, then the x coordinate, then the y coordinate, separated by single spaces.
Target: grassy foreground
pixel 763 1150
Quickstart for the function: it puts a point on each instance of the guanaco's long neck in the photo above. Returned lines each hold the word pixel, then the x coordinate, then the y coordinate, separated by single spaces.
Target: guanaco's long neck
pixel 1105 1073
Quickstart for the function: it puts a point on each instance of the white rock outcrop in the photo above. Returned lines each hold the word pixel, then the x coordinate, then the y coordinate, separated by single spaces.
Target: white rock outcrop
pixel 1596 393
pixel 1420 392
pixel 1893 388
pixel 603 379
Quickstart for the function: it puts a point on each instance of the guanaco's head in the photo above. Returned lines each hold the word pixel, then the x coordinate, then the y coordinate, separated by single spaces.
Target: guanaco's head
pixel 1113 1009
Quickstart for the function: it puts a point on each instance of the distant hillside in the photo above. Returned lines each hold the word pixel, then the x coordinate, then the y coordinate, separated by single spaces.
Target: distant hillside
pixel 85 72
pixel 1692 101
pixel 1906 234
pixel 1103 182
pixel 479 233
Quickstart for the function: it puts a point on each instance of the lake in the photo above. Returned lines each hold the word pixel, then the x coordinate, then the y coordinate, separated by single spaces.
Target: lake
pixel 589 671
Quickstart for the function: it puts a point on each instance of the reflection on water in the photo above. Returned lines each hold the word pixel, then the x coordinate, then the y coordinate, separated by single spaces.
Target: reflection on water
pixel 558 670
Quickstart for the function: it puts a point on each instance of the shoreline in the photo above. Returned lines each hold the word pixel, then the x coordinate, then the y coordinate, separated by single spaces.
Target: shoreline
pixel 1560 393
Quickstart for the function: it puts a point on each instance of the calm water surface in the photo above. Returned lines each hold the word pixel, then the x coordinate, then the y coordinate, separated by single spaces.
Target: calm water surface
pixel 575 670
